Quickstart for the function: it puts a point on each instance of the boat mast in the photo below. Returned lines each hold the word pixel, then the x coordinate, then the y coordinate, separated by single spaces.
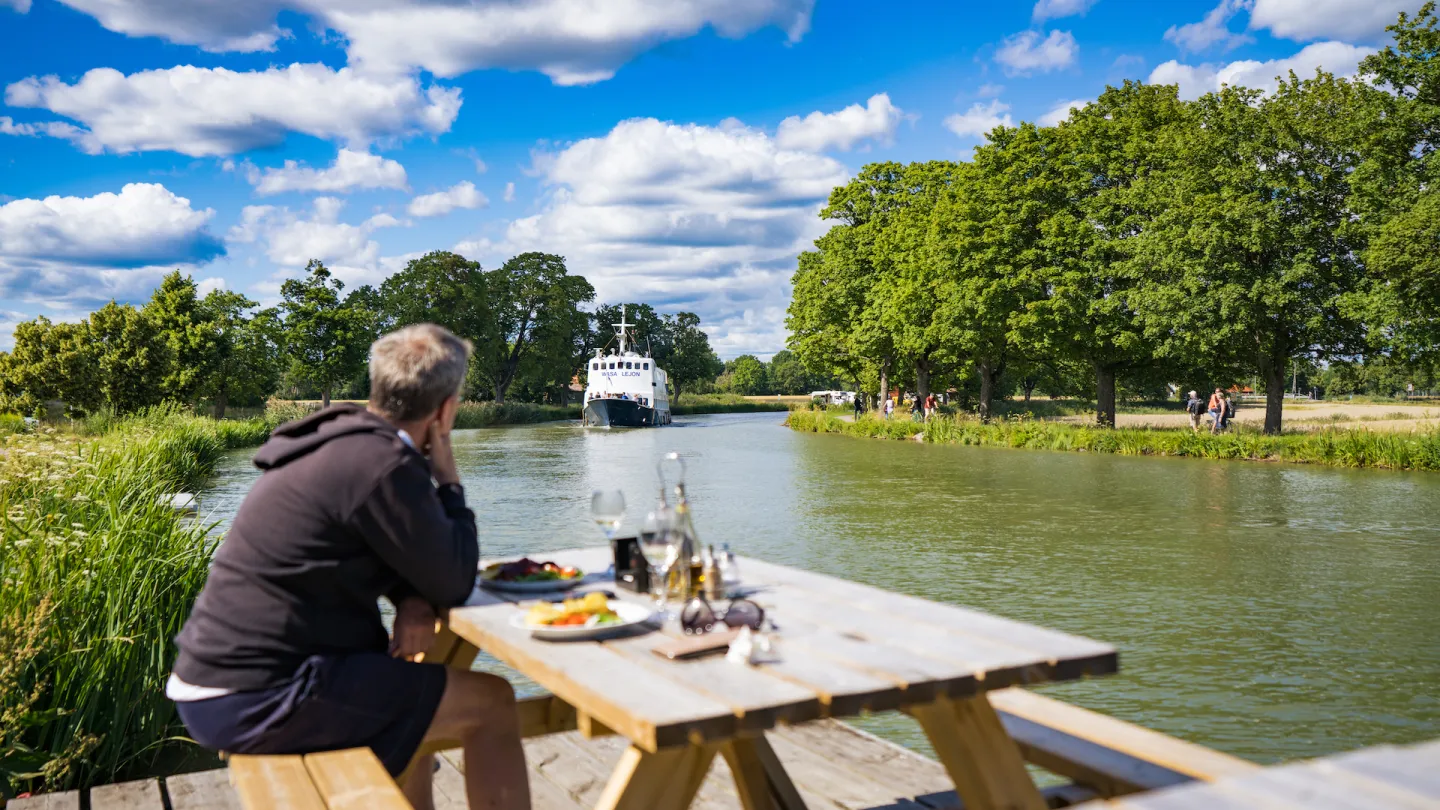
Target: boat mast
pixel 620 329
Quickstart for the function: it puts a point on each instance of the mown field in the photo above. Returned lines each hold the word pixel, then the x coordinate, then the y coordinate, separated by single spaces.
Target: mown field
pixel 1417 449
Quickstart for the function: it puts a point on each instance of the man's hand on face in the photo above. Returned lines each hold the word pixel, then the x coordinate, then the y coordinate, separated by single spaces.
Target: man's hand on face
pixel 437 442
pixel 414 628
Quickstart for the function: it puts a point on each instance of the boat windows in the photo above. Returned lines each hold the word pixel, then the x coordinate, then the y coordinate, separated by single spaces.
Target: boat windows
pixel 595 366
pixel 612 365
pixel 627 365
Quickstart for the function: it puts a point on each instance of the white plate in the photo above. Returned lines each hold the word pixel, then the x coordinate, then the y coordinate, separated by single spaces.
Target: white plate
pixel 630 613
pixel 543 586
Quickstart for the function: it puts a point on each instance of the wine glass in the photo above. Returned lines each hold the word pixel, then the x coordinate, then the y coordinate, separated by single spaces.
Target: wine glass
pixel 660 544
pixel 607 507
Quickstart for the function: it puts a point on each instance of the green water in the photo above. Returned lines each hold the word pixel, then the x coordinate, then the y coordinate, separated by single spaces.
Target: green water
pixel 1269 611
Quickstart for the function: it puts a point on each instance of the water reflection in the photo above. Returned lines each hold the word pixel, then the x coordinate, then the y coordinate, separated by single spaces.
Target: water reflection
pixel 1271 611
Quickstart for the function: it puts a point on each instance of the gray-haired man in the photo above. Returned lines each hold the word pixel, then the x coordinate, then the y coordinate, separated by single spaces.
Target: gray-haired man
pixel 285 652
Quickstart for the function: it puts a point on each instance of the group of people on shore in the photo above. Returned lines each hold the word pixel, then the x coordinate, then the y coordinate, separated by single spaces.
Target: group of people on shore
pixel 920 409
pixel 1220 408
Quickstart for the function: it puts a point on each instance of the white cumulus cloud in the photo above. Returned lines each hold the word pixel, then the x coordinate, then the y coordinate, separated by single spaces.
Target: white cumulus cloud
pixel 22 6
pixel 1329 19
pixel 290 239
pixel 980 119
pixel 1339 58
pixel 1212 30
pixel 1055 9
pixel 1026 52
pixel 509 192
pixel 351 170
pixel 571 41
pixel 215 111
pixel 699 218
pixel 843 129
pixel 73 252
pixel 460 195
pixel 1061 111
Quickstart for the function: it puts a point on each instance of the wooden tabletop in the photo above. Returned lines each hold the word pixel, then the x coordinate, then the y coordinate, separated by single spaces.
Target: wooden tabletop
pixel 1396 778
pixel 842 647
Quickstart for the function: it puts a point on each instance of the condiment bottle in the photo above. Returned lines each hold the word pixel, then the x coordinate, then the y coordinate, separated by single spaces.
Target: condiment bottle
pixel 688 569
pixel 713 580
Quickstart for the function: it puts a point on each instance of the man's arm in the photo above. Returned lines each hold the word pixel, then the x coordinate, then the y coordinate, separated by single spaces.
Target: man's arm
pixel 425 533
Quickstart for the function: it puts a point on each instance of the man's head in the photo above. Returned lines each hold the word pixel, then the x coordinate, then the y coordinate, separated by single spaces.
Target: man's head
pixel 1193 395
pixel 416 370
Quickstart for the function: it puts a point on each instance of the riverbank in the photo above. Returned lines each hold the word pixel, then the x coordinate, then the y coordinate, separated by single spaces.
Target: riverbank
pixel 1340 447
pixel 99 572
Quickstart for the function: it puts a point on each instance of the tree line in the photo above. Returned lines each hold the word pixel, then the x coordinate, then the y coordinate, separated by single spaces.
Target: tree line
pixel 526 320
pixel 1147 239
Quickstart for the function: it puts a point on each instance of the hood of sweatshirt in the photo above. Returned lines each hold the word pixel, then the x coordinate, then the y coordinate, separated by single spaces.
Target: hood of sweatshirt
pixel 296 439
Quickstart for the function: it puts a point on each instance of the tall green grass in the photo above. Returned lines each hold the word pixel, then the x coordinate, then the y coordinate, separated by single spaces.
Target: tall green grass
pixel 98 574
pixel 1356 447
pixel 492 414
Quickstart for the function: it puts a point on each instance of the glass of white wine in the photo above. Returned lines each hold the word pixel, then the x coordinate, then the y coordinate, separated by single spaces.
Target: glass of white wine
pixel 607 507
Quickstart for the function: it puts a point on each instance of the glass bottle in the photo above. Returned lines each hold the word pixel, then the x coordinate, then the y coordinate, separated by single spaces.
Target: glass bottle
pixel 688 567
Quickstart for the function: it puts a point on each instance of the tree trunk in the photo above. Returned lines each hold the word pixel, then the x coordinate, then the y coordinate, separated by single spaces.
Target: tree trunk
pixel 1104 395
pixel 884 385
pixel 325 397
pixel 988 374
pixel 922 378
pixel 1274 373
pixel 221 401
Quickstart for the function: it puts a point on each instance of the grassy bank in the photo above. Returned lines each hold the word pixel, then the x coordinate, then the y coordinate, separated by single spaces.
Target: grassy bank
pixel 692 404
pixel 98 575
pixel 1355 447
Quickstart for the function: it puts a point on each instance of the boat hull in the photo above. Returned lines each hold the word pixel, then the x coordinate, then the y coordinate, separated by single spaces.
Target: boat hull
pixel 623 413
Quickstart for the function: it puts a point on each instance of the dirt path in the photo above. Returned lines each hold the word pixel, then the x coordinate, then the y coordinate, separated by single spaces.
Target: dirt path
pixel 1304 415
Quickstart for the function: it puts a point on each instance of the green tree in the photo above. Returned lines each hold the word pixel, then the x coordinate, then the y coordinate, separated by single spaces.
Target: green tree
pixel 129 355
pixel 987 240
pixel 1104 152
pixel 1252 257
pixel 248 350
pixel 191 342
pixel 1396 186
pixel 787 375
pixel 327 339
pixel 50 362
pixel 442 288
pixel 535 303
pixel 688 358
pixel 747 375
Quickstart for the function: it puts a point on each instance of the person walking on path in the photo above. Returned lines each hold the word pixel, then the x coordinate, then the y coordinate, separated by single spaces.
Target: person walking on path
pixel 1229 413
pixel 859 404
pixel 284 651
pixel 1217 411
pixel 889 407
pixel 1194 407
pixel 930 406
pixel 917 413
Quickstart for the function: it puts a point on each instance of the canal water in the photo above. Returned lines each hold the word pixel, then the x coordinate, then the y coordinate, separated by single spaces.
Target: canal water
pixel 1271 611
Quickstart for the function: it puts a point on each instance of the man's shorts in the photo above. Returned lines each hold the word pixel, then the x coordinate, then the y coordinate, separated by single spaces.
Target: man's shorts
pixel 333 702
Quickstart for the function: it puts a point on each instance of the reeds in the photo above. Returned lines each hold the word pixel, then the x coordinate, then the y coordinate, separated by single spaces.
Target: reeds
pixel 1353 447
pixel 98 574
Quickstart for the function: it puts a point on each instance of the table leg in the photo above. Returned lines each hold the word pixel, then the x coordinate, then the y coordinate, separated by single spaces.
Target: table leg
pixel 665 780
pixel 982 760
pixel 760 778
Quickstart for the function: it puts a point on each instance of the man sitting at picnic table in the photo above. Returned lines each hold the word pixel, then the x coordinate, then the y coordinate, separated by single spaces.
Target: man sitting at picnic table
pixel 285 652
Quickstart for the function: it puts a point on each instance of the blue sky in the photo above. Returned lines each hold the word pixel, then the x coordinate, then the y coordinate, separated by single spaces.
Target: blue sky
pixel 675 151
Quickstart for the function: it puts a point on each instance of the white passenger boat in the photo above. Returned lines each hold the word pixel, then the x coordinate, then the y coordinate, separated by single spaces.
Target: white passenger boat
pixel 624 388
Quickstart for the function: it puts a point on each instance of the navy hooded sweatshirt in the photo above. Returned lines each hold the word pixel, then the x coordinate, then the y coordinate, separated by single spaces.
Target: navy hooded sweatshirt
pixel 345 512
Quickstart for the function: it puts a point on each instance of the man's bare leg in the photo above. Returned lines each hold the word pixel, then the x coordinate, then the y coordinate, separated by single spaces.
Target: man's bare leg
pixel 418 788
pixel 478 709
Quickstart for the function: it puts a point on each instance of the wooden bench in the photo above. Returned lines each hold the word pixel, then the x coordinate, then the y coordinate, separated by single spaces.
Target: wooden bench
pixel 1103 756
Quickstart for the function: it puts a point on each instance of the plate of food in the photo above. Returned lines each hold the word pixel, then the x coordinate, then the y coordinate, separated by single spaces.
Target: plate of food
pixel 529 576
pixel 591 616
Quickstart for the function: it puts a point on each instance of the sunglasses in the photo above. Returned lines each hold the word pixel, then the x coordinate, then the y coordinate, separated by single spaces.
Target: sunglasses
pixel 699 617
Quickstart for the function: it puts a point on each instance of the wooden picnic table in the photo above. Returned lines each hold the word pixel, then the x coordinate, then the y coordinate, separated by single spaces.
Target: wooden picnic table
pixel 843 648
pixel 1386 776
